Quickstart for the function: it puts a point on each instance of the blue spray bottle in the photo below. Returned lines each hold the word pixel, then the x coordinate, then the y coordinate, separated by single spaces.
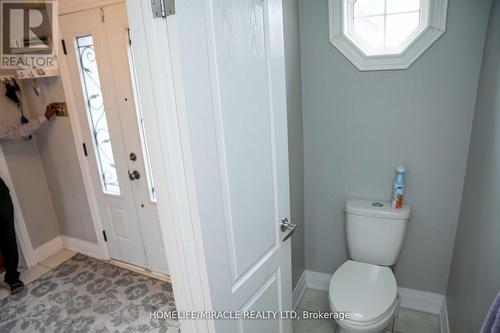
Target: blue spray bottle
pixel 398 187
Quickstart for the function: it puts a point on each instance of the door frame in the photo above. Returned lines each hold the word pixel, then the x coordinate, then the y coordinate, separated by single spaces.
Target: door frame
pixel 163 107
pixel 99 22
pixel 85 168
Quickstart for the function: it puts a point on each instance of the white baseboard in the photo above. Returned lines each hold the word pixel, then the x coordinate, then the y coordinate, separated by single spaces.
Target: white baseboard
pixel 299 290
pixel 317 280
pixel 410 298
pixel 443 316
pixel 421 300
pixel 64 242
pixel 77 245
pixel 46 250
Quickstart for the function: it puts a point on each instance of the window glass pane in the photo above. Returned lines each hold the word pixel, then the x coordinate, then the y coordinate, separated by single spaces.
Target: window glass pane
pixel 369 7
pixel 398 6
pixel 97 114
pixel 371 29
pixel 399 26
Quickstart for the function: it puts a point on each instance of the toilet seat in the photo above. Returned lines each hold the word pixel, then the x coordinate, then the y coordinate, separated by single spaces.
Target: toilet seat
pixel 368 292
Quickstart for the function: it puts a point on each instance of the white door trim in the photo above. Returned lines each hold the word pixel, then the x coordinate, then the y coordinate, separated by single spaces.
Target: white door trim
pixel 76 129
pixel 160 87
pixel 23 237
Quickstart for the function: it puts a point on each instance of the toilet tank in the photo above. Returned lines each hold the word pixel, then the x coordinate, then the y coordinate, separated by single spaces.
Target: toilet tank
pixel 375 231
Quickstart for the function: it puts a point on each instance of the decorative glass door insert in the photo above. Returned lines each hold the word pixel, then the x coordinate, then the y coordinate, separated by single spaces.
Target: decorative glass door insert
pixel 96 114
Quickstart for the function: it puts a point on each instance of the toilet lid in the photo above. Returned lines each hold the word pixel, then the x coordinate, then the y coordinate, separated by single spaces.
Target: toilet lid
pixel 366 291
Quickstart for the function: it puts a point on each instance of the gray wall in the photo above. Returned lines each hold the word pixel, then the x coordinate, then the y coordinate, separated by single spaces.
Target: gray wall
pixel 359 125
pixel 60 163
pixel 45 171
pixel 475 271
pixel 295 137
pixel 28 177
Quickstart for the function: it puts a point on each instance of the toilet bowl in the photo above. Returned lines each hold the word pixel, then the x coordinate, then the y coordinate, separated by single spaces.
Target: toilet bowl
pixel 367 292
pixel 365 286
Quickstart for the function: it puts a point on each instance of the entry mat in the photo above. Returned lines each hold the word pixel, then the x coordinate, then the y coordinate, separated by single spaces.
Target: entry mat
pixel 87 295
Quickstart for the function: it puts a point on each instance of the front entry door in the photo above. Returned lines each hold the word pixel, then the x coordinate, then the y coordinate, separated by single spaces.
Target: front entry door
pixel 100 58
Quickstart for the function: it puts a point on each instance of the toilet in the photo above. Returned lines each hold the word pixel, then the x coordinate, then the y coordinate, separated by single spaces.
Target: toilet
pixel 365 286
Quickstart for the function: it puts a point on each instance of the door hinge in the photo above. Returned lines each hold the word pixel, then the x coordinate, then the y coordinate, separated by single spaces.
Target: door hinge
pixel 104 234
pixel 163 8
pixel 85 149
pixel 101 11
pixel 129 39
pixel 64 46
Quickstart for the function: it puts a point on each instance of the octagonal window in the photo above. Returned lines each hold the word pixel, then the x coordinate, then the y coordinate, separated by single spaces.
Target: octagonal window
pixel 385 34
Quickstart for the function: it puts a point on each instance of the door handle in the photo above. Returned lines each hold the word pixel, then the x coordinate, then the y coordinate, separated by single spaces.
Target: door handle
pixel 134 175
pixel 287 226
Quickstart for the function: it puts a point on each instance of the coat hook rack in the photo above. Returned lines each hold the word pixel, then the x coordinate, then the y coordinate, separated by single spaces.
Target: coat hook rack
pixel 36 72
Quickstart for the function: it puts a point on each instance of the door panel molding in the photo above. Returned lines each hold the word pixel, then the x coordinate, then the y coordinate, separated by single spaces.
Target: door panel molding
pixel 270 287
pixel 219 91
pixel 229 117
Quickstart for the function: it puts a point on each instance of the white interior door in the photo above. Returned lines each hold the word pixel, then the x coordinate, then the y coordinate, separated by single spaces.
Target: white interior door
pixel 100 59
pixel 232 59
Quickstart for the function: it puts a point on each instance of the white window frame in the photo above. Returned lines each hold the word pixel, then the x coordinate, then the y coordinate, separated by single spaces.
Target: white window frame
pixel 432 25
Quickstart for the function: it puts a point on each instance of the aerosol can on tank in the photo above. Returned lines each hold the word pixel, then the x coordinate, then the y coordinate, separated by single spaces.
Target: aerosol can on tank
pixel 398 187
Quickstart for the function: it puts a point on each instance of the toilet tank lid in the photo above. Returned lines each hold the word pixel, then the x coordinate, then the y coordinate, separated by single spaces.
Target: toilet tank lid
pixel 378 209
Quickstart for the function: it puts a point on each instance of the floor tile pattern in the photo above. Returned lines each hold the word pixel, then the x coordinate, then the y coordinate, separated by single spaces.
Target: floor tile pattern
pixel 407 321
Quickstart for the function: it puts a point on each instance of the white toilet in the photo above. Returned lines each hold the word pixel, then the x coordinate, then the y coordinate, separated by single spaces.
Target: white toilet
pixel 365 286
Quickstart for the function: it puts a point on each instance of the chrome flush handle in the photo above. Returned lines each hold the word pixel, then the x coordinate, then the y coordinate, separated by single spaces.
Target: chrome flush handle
pixel 287 226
